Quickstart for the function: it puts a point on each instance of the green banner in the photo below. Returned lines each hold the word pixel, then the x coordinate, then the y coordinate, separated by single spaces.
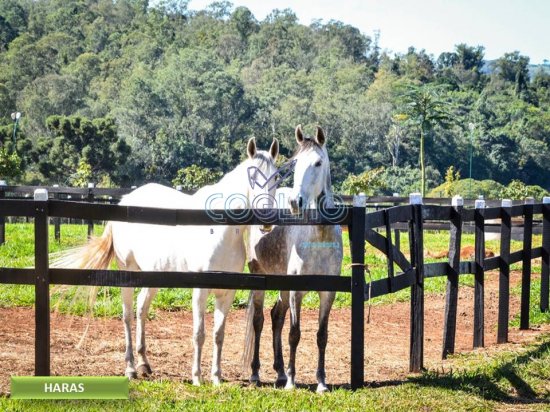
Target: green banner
pixel 69 387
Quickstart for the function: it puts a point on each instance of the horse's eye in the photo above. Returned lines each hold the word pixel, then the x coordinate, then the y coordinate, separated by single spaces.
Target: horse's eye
pixel 318 163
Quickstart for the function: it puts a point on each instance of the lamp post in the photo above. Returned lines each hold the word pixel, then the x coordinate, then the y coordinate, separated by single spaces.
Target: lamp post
pixel 471 126
pixel 15 117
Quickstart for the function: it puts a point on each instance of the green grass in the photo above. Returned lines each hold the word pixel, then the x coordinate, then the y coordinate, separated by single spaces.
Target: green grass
pixel 18 251
pixel 483 381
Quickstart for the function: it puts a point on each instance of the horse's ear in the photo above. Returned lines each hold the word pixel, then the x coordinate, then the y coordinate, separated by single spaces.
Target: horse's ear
pixel 320 136
pixel 274 149
pixel 299 134
pixel 251 147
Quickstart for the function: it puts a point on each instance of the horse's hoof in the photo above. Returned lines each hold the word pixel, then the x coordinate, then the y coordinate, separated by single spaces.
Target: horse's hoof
pixel 322 388
pixel 290 385
pixel 197 381
pixel 281 382
pixel 131 375
pixel 255 380
pixel 144 370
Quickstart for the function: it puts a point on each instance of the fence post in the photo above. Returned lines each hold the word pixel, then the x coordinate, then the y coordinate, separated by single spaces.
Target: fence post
pixel 451 297
pixel 416 354
pixel 504 275
pixel 357 238
pixel 56 220
pixel 479 274
pixel 179 188
pixel 545 270
pixel 42 283
pixel 396 233
pixel 2 218
pixel 526 266
pixel 91 200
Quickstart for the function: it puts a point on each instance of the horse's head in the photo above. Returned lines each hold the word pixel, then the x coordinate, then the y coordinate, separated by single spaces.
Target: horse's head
pixel 311 171
pixel 262 173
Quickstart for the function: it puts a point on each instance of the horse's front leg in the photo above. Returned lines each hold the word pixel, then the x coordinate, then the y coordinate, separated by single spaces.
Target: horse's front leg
pixel 199 307
pixel 294 336
pixel 327 299
pixel 224 300
pixel 144 300
pixel 258 297
pixel 127 315
pixel 278 314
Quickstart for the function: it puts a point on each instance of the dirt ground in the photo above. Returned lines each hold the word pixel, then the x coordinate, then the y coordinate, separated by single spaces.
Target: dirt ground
pixel 170 345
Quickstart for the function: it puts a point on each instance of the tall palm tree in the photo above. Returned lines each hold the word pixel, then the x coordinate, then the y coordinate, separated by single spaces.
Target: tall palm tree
pixel 425 106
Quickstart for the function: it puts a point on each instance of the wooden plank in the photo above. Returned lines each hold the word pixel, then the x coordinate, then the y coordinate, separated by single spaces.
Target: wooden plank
pixel 399 214
pixel 432 212
pixel 517 210
pixel 9 207
pixel 385 286
pixel 389 247
pixel 17 276
pixel 526 267
pixel 516 256
pixel 90 199
pixel 504 274
pixel 545 270
pixel 453 270
pixel 467 268
pixel 436 269
pixel 42 292
pixel 491 263
pixel 331 216
pixel 468 215
pixel 206 280
pixel 479 275
pixel 379 242
pixel 493 213
pixel 2 218
pixel 375 219
pixel 357 247
pixel 416 361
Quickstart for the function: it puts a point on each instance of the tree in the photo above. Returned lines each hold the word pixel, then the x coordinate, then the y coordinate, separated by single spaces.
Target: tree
pixel 513 67
pixel 425 107
pixel 78 142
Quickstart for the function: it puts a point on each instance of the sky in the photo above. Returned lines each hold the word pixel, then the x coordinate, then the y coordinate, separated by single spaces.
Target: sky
pixel 434 25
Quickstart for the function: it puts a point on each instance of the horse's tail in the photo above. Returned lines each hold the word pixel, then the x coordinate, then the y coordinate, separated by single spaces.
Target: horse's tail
pixel 96 254
pixel 248 351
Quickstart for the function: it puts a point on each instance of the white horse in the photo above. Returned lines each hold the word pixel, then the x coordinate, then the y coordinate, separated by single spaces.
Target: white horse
pixel 295 250
pixel 148 247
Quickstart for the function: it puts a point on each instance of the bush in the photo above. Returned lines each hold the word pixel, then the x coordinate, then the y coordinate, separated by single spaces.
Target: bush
pixel 194 177
pixel 468 188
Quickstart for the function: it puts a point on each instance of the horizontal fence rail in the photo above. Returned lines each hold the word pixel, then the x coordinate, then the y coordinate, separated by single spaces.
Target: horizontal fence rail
pixel 375 228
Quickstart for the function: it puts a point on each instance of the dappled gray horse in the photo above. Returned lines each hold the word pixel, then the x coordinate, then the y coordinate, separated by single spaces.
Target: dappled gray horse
pixel 295 250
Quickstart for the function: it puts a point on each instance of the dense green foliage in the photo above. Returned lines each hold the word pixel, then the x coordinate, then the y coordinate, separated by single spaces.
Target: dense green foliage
pixel 164 88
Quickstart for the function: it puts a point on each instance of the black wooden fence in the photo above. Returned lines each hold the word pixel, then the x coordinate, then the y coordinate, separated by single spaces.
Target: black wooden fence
pixel 363 226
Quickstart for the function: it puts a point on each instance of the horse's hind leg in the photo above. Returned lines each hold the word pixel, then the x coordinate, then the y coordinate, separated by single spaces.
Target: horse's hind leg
pixel 278 314
pixel 224 299
pixel 127 315
pixel 258 322
pixel 199 307
pixel 294 336
pixel 144 300
pixel 327 299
